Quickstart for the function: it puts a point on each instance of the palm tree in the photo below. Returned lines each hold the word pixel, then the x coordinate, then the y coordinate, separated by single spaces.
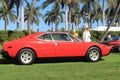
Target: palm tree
pixel 70 6
pixel 30 14
pixel 118 2
pixel 6 14
pixel 64 3
pixel 75 16
pixel 87 9
pixel 54 16
pixel 111 9
pixel 117 10
pixel 55 12
pixel 35 16
pixel 17 4
pixel 48 2
pixel 103 13
pixel 49 18
pixel 96 14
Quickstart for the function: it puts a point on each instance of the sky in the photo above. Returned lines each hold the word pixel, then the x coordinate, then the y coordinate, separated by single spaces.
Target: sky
pixel 42 26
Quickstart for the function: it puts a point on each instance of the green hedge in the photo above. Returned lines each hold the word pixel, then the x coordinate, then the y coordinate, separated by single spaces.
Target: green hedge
pixel 97 35
pixel 12 35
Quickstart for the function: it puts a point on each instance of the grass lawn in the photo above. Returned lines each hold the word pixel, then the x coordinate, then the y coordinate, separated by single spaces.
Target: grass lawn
pixel 0 46
pixel 106 69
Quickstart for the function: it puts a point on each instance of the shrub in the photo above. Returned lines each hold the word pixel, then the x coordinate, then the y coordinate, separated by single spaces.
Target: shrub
pixel 97 35
pixel 11 35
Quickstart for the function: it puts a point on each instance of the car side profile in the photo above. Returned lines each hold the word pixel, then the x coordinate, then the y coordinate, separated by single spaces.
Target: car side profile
pixel 52 44
pixel 115 44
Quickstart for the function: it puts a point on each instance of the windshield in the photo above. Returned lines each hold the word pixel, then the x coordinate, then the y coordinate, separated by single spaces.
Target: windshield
pixel 75 39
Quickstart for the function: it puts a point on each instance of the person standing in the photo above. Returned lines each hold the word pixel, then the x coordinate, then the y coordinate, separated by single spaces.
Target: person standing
pixel 75 33
pixel 109 37
pixel 86 34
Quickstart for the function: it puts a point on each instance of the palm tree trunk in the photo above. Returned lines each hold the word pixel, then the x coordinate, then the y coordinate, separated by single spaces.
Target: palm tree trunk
pixel 28 24
pixel 119 21
pixel 69 16
pixel 29 18
pixel 6 24
pixel 77 24
pixel 66 17
pixel 89 23
pixel 22 14
pixel 103 13
pixel 56 27
pixel 32 27
pixel 106 32
pixel 52 27
pixel 72 26
pixel 17 18
pixel 97 23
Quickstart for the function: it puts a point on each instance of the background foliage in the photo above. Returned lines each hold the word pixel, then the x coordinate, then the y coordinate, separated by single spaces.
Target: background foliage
pixel 12 35
pixel 97 35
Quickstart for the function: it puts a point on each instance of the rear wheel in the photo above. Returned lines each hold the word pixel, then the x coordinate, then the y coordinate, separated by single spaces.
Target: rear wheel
pixel 25 57
pixel 93 54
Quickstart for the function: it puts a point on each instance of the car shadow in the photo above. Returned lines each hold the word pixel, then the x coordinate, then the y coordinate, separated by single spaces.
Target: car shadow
pixel 46 60
pixel 49 60
pixel 60 60
pixel 5 61
pixel 115 51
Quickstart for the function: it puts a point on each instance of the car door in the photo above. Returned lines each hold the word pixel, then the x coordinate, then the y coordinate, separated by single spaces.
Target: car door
pixel 65 46
pixel 46 46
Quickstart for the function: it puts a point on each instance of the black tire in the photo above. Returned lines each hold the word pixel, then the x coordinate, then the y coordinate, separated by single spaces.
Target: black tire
pixel 25 57
pixel 93 54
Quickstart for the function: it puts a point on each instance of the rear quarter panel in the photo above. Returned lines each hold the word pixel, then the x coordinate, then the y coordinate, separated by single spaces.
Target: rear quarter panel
pixel 42 49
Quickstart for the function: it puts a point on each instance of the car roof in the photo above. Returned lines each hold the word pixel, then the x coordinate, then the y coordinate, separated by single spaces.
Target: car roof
pixel 39 33
pixel 57 32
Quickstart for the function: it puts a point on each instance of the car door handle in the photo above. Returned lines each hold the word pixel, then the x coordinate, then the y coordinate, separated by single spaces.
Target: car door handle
pixel 56 44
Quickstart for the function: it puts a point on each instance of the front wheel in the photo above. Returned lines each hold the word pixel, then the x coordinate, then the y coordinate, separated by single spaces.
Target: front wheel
pixel 25 57
pixel 93 54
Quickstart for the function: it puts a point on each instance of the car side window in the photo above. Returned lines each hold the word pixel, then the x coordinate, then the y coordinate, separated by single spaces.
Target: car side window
pixel 61 37
pixel 56 36
pixel 65 37
pixel 45 37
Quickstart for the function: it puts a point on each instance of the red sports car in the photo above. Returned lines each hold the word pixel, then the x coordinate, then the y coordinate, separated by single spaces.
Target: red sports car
pixel 52 44
pixel 115 44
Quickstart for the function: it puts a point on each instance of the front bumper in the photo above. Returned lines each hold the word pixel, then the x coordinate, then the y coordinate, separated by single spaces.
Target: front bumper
pixel 4 54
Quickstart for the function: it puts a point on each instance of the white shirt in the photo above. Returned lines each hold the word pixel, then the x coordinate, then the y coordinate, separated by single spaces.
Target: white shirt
pixel 86 36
